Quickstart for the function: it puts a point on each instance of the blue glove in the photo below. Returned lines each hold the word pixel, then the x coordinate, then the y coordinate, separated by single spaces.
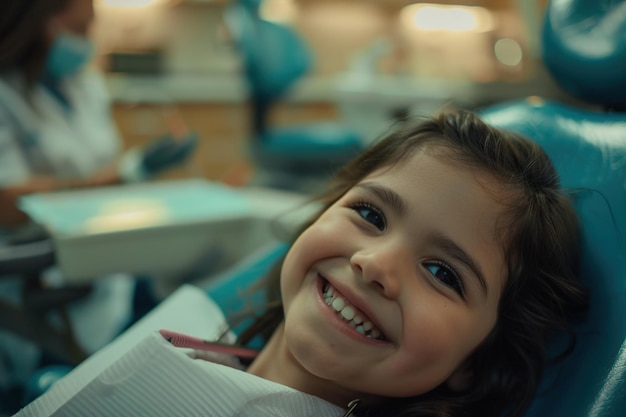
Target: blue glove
pixel 167 152
pixel 159 155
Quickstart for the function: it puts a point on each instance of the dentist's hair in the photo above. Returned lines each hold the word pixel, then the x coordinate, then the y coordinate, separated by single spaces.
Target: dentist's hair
pixel 23 41
pixel 539 233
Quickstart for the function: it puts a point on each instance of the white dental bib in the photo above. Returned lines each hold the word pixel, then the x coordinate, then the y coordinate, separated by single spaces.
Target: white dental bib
pixel 152 377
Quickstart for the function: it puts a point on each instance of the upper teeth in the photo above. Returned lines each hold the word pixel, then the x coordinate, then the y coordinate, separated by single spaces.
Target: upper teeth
pixel 349 314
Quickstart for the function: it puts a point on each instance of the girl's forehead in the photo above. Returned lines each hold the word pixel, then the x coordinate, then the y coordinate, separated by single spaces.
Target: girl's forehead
pixel 451 160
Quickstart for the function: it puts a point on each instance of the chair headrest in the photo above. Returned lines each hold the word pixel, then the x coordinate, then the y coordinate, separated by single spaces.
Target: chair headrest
pixel 274 56
pixel 588 150
pixel 584 47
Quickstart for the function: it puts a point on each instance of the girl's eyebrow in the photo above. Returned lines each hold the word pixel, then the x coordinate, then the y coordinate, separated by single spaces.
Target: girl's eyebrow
pixel 386 195
pixel 397 204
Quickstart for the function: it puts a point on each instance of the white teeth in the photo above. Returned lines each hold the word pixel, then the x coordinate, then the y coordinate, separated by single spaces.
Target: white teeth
pixel 348 313
pixel 338 304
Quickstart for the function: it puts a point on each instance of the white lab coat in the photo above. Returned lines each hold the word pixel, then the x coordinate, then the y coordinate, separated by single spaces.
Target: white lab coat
pixel 43 137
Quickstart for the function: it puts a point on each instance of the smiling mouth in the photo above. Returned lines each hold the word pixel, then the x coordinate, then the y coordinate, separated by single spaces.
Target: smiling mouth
pixel 350 314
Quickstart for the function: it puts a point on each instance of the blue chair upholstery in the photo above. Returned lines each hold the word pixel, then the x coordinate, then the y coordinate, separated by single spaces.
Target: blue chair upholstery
pixel 231 290
pixel 589 151
pixel 584 47
pixel 275 57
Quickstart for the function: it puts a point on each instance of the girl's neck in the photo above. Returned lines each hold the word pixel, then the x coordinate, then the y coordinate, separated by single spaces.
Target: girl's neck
pixel 277 364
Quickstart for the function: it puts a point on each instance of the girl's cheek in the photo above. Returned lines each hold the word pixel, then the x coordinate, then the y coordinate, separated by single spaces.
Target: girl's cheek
pixel 429 332
pixel 331 226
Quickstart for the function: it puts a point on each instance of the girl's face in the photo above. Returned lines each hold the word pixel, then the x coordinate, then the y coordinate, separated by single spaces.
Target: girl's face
pixel 395 285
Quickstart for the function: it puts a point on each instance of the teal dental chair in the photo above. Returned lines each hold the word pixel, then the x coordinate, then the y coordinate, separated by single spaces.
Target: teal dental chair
pixel 274 58
pixel 584 48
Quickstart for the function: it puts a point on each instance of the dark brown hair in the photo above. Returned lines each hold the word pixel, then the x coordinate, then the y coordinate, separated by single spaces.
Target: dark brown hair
pixel 23 43
pixel 540 235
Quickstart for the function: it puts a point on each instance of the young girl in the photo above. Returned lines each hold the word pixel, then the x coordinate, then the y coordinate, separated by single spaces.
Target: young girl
pixel 429 285
pixel 442 262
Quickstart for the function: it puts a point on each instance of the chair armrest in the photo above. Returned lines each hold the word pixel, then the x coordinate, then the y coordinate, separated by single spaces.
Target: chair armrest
pixel 26 258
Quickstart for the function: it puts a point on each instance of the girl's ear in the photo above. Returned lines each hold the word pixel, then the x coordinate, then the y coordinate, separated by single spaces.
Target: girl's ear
pixel 461 379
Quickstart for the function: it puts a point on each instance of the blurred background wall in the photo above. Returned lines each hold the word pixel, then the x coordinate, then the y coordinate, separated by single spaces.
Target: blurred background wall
pixel 374 60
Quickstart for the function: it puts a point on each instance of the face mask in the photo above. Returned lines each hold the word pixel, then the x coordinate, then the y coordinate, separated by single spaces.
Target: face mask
pixel 68 54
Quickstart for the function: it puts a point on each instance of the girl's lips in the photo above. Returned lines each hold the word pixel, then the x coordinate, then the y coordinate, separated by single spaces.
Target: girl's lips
pixel 343 325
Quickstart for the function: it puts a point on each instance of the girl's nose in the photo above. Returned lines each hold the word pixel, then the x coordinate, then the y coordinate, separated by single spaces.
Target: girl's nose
pixel 381 268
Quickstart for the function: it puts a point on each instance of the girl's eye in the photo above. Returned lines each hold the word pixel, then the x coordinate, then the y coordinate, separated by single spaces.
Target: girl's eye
pixel 446 275
pixel 370 214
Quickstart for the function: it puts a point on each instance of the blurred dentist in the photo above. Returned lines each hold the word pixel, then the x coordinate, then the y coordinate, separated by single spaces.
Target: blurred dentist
pixel 56 128
pixel 56 132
